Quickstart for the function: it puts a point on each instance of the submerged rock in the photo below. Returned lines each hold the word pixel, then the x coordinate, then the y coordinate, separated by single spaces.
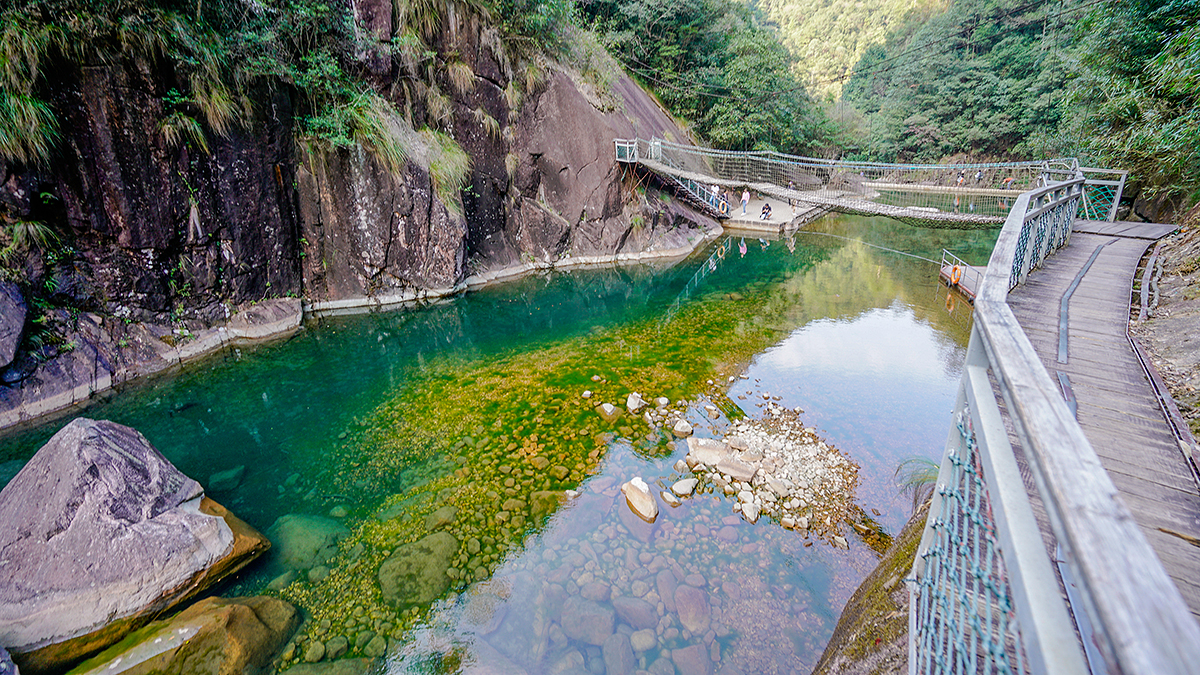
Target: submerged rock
pixel 441 518
pixel 230 479
pixel 691 604
pixel 608 411
pixel 415 574
pixel 303 541
pixel 215 636
pixel 640 500
pixel 587 621
pixel 101 533
pixel 339 667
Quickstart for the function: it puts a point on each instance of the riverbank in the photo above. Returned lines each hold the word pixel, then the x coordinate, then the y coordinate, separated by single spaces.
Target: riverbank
pixel 108 353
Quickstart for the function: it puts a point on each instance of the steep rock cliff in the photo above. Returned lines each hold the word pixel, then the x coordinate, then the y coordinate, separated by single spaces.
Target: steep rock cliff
pixel 177 239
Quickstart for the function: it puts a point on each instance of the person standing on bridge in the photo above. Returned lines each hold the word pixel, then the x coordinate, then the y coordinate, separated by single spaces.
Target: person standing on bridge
pixel 745 200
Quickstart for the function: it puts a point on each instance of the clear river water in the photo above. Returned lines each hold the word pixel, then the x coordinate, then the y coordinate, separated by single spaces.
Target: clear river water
pixel 362 435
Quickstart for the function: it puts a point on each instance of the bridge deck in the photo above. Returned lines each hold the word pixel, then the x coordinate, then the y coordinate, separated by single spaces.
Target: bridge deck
pixel 1116 405
pixel 839 200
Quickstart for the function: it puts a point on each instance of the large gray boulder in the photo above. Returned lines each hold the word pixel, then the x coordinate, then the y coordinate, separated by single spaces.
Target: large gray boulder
pixel 101 533
pixel 12 321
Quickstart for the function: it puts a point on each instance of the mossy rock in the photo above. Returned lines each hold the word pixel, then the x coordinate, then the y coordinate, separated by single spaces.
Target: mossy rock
pixel 415 574
pixel 872 633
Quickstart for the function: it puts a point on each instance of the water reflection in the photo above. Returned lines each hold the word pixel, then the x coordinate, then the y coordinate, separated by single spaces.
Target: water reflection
pixel 380 422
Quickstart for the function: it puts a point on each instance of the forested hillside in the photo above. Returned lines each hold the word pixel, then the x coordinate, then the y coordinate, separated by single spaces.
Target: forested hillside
pixel 1112 82
pixel 717 65
pixel 828 37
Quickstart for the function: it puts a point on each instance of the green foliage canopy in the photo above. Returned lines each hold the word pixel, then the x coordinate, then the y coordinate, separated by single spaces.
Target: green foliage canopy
pixel 716 65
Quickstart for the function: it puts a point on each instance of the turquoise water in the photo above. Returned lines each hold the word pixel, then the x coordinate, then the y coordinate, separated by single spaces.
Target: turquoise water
pixel 370 424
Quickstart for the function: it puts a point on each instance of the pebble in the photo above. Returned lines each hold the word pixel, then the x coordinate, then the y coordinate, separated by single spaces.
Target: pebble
pixel 314 652
pixel 682 429
pixel 587 393
pixel 669 498
pixel 644 640
pixel 684 487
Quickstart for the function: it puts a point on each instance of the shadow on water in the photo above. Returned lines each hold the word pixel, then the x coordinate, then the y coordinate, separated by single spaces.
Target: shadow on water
pixel 465 419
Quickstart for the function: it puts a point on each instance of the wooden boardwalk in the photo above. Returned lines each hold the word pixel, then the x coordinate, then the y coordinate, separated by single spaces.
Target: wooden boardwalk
pixel 1095 363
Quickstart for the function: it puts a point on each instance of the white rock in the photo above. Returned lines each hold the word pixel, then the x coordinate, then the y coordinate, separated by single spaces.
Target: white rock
pixel 777 487
pixel 682 429
pixel 788 522
pixel 596 378
pixel 662 401
pixel 634 402
pixel 587 394
pixel 840 542
pixel 802 522
pixel 731 378
pixel 680 466
pixel 706 451
pixel 736 468
pixel 670 498
pixel 608 411
pixel 637 495
pixel 745 496
pixel 684 487
pixel 571 494
pixel 751 512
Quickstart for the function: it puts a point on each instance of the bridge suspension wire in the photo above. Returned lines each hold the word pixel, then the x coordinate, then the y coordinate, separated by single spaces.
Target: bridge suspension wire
pixel 867 243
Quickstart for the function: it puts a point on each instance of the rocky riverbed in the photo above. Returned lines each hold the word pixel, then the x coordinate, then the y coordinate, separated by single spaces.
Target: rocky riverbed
pixel 712 579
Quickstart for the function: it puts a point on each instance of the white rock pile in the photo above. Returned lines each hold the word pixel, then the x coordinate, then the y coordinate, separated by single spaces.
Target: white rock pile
pixel 779 468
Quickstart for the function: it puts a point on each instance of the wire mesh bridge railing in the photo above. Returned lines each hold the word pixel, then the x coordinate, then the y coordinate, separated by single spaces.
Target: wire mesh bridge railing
pixel 957 194
pixel 984 597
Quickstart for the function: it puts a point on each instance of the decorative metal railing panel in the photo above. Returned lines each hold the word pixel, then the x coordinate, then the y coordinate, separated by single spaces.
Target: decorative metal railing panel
pixel 965 193
pixel 984 596
pixel 965 621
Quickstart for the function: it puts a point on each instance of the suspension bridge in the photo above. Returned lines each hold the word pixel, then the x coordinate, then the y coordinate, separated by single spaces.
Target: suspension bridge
pixel 946 195
pixel 1063 534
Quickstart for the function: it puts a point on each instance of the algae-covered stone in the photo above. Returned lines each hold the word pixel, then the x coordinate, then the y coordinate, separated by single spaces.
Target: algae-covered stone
pixel 415 574
pixel 441 518
pixel 543 503
pixel 215 636
pixel 339 667
pixel 304 541
pixel 224 481
pixel 336 646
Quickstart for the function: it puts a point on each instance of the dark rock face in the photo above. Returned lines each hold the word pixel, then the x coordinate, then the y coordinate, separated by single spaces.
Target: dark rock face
pixel 164 228
pixel 171 235
pixel 369 232
pixel 101 532
pixel 12 321
pixel 215 636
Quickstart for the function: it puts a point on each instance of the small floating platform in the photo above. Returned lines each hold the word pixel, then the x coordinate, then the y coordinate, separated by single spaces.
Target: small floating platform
pixel 970 277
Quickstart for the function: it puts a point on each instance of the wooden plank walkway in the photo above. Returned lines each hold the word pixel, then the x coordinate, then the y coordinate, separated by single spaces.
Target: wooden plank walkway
pixel 1102 376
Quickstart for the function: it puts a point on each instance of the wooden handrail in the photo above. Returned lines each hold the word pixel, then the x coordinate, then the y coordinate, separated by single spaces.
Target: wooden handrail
pixel 1141 621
